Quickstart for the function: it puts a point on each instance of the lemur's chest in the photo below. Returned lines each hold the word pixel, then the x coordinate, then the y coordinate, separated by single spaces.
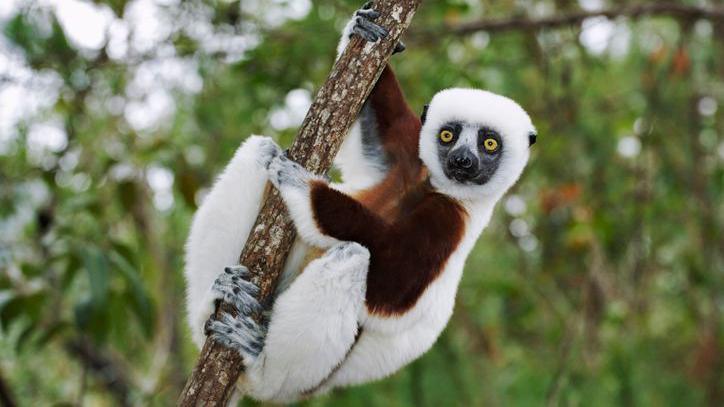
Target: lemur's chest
pixel 424 229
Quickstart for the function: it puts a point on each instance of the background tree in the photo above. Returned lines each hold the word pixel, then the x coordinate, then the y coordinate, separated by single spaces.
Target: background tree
pixel 600 279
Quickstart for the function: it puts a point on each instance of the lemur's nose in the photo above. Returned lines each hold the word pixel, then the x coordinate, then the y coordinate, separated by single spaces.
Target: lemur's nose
pixel 463 160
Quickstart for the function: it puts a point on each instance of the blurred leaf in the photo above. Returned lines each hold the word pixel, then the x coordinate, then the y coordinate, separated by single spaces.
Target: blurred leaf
pixel 96 265
pixel 139 299
pixel 91 313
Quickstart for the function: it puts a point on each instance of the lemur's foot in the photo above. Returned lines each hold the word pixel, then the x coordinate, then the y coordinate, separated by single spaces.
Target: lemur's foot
pixel 240 332
pixel 284 172
pixel 268 149
pixel 364 25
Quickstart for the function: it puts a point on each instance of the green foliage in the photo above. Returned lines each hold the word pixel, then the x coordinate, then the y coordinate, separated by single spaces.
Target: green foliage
pixel 603 288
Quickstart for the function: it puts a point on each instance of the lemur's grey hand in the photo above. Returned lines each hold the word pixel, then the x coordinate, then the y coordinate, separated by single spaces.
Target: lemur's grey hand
pixel 284 172
pixel 364 25
pixel 267 151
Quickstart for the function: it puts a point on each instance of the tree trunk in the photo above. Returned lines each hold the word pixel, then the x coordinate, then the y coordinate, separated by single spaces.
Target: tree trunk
pixel 329 118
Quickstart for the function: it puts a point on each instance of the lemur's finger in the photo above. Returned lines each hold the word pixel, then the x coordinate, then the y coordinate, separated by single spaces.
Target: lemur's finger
pixel 240 333
pixel 400 47
pixel 368 36
pixel 368 5
pixel 376 28
pixel 369 14
pixel 240 270
pixel 377 31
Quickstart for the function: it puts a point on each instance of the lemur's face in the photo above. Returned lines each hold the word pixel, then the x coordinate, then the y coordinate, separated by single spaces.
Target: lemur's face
pixel 468 153
pixel 475 143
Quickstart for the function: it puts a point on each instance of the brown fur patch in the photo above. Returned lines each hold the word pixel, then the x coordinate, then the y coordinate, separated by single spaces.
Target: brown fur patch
pixel 407 253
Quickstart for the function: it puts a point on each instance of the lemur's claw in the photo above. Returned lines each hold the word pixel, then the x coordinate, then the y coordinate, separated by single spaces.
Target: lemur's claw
pixel 240 332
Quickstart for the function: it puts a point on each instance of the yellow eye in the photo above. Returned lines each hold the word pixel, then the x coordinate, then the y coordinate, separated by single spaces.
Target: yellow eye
pixel 446 136
pixel 490 145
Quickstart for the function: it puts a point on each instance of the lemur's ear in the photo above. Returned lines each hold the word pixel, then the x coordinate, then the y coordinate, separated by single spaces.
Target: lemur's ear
pixel 423 116
pixel 531 138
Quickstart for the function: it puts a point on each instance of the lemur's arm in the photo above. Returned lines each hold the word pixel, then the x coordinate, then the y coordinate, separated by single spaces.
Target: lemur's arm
pixel 305 193
pixel 397 126
pixel 341 217
pixel 386 131
pixel 325 216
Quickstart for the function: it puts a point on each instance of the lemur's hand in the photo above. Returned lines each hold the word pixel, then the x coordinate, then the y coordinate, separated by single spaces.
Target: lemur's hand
pixel 284 173
pixel 362 24
pixel 268 150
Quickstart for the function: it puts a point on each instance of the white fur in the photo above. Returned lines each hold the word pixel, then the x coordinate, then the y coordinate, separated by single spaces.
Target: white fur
pixel 299 205
pixel 346 33
pixel 358 172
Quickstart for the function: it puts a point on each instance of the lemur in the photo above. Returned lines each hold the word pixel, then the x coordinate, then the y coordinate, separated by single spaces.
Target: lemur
pixel 415 196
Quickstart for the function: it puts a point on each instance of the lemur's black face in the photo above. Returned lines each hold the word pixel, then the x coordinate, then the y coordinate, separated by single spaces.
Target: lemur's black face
pixel 469 154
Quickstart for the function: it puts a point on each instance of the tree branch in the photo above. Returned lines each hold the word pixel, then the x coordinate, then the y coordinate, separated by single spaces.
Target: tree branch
pixel 329 118
pixel 715 14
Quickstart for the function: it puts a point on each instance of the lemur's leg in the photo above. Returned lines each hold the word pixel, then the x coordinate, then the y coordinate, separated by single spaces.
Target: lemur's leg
pixel 312 326
pixel 221 226
pixel 378 354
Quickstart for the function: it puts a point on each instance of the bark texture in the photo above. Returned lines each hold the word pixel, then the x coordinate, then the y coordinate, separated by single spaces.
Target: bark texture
pixel 332 113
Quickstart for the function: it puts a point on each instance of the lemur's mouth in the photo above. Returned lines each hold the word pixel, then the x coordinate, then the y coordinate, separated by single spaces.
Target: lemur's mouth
pixel 460 176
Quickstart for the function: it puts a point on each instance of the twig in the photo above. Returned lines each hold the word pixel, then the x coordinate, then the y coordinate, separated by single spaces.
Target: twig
pixel 112 376
pixel 562 20
pixel 329 118
pixel 564 357
pixel 6 396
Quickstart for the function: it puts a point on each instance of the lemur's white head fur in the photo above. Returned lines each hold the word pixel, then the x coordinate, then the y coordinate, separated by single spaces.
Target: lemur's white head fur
pixel 473 116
